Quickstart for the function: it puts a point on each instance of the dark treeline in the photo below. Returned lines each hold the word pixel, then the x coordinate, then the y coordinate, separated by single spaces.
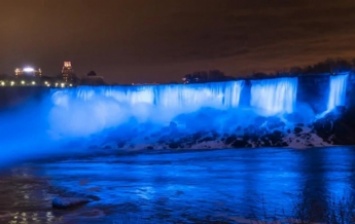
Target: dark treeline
pixel 324 67
pixel 206 76
pixel 327 66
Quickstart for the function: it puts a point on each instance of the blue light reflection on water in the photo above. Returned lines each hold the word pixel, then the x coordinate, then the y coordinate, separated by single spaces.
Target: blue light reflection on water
pixel 262 183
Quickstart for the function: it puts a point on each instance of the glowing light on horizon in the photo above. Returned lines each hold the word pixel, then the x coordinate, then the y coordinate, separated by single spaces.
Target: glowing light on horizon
pixel 28 69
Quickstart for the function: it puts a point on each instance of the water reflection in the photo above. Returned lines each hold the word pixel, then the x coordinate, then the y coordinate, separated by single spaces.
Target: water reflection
pixel 190 187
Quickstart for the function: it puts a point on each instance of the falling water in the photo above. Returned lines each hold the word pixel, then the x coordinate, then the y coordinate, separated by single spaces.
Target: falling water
pixel 337 91
pixel 99 108
pixel 216 95
pixel 273 96
pixel 134 113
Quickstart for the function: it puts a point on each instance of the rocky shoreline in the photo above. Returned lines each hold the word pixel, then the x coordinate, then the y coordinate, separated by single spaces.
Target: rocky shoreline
pixel 335 128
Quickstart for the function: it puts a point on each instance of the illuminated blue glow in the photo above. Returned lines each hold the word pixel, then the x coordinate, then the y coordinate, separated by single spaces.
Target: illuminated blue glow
pixel 337 91
pixel 88 110
pixel 274 96
pixel 242 181
pixel 150 114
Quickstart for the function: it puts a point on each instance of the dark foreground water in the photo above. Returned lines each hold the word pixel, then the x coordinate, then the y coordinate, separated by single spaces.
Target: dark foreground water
pixel 222 186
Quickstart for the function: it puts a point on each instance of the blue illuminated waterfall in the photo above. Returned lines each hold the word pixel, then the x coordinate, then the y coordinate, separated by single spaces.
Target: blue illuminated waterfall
pixel 180 114
pixel 181 97
pixel 224 114
pixel 99 108
pixel 273 96
pixel 337 91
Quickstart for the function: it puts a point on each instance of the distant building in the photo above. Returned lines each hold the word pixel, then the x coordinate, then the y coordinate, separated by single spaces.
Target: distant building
pixel 67 74
pixel 28 72
pixel 92 79
pixel 29 76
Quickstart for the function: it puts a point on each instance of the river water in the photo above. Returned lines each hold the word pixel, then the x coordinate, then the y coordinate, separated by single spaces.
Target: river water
pixel 216 186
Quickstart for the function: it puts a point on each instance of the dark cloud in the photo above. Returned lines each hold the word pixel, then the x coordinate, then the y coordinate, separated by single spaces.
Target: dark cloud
pixel 145 40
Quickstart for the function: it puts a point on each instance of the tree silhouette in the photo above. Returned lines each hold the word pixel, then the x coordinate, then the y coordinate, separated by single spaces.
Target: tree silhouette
pixel 91 73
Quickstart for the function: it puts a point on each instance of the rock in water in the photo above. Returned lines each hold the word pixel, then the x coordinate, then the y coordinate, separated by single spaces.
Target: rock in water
pixel 68 202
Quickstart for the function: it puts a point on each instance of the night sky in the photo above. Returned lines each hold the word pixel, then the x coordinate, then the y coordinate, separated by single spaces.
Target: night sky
pixel 158 41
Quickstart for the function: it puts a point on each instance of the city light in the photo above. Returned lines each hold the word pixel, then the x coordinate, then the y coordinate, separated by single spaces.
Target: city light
pixel 31 76
pixel 28 69
pixel 2 83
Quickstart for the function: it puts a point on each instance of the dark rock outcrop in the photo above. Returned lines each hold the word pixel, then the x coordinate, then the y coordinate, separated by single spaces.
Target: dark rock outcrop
pixel 69 202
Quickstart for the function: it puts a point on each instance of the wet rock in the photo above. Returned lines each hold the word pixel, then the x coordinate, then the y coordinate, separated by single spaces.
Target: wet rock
pixel 239 144
pixel 284 144
pixel 298 130
pixel 174 145
pixel 94 213
pixel 275 137
pixel 230 139
pixel 266 143
pixel 69 202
